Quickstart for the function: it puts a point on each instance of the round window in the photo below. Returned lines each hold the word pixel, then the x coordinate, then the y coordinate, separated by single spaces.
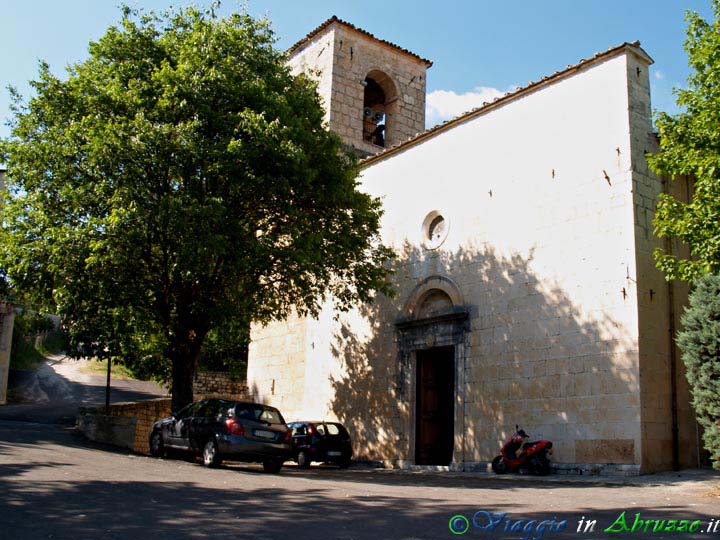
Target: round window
pixel 434 229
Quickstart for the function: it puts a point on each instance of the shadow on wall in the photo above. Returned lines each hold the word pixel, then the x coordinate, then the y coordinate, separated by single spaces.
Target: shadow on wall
pixel 530 356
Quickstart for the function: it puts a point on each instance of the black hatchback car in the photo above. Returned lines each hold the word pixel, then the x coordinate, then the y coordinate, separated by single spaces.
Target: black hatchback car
pixel 219 429
pixel 328 442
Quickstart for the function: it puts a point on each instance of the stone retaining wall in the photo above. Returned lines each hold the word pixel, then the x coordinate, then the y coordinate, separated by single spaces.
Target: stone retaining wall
pixel 7 318
pixel 219 384
pixel 127 425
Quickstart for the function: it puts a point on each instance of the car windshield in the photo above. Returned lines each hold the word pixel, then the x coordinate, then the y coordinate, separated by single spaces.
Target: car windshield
pixel 257 412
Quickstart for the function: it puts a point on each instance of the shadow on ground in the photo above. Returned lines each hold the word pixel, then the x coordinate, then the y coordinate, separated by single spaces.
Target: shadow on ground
pixel 181 501
pixel 395 477
pixel 178 509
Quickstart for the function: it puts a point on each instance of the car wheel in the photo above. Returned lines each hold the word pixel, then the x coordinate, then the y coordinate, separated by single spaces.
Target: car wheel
pixel 272 465
pixel 211 454
pixel 157 448
pixel 499 466
pixel 344 463
pixel 302 460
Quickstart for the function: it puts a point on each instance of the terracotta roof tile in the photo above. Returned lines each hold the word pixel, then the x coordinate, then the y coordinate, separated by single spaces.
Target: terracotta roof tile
pixel 509 96
pixel 334 19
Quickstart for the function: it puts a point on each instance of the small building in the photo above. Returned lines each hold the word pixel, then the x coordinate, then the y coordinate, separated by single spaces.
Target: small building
pixel 526 287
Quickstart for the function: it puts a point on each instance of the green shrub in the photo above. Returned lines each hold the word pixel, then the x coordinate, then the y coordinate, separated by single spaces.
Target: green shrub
pixel 700 344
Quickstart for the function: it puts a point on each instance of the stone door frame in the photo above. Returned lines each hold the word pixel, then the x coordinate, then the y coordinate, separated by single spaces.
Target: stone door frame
pixel 449 328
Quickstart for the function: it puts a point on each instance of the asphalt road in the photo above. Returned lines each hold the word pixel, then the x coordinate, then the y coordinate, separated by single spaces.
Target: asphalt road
pixel 53 393
pixel 54 484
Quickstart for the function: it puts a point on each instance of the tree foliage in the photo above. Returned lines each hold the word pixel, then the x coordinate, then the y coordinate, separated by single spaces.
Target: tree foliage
pixel 177 179
pixel 700 343
pixel 226 349
pixel 690 146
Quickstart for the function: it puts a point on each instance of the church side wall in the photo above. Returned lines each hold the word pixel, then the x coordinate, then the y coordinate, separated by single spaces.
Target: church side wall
pixel 655 297
pixel 689 438
pixel 276 370
pixel 278 351
pixel 538 197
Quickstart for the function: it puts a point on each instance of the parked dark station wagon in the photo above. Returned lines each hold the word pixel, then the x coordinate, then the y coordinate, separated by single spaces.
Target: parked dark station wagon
pixel 219 429
pixel 328 442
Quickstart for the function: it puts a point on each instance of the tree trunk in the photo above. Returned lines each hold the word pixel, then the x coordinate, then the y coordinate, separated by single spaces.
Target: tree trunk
pixel 184 356
pixel 183 373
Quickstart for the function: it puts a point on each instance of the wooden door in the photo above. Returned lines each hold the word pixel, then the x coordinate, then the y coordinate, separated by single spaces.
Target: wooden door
pixel 434 427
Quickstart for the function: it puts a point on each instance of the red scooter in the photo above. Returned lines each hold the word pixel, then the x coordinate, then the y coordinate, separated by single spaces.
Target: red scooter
pixel 534 457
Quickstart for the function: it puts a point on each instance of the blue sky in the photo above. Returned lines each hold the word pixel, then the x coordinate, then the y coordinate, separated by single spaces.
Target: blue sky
pixel 479 47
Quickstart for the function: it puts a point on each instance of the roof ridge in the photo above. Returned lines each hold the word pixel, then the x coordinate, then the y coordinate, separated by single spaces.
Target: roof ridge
pixel 507 97
pixel 336 19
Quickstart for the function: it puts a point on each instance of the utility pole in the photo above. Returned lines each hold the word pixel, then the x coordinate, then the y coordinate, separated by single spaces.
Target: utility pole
pixel 107 387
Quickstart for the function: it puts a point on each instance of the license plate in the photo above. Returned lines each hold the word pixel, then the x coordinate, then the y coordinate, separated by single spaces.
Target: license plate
pixel 264 434
pixel 334 453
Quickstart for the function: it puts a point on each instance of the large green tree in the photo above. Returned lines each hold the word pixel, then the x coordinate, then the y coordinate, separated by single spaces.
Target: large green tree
pixel 179 178
pixel 690 146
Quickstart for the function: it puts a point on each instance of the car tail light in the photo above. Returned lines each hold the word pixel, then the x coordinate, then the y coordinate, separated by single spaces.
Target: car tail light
pixel 288 435
pixel 310 429
pixel 234 427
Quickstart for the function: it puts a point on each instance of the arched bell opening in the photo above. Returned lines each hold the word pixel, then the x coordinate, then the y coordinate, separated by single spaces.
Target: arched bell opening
pixel 379 106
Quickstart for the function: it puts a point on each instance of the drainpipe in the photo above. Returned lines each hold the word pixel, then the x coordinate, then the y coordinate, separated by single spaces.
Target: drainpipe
pixel 462 404
pixel 673 356
pixel 673 379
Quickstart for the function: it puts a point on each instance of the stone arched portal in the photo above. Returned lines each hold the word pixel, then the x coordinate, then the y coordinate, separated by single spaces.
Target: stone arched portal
pixel 431 348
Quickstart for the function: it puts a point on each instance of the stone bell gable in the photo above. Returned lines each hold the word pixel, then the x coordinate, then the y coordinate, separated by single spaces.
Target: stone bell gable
pixel 364 82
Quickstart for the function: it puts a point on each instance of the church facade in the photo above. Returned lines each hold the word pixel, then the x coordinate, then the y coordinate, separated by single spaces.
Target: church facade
pixel 526 287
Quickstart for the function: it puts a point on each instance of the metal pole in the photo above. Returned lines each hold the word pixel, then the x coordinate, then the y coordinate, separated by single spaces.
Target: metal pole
pixel 107 388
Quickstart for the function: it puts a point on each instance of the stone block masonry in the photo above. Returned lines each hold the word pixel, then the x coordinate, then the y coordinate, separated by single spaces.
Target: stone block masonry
pixel 341 58
pixel 219 384
pixel 7 316
pixel 126 425
pixel 547 205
